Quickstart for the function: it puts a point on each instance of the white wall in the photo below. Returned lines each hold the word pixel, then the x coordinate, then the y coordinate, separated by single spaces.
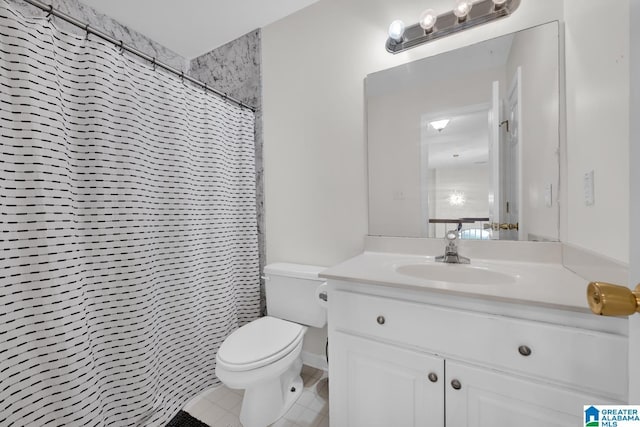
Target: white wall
pixel 314 64
pixel 539 145
pixel 597 74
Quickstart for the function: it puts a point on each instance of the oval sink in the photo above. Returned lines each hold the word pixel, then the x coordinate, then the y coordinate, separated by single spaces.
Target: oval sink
pixel 455 273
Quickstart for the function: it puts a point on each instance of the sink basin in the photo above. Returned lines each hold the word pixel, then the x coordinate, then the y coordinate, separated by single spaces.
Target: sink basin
pixel 455 273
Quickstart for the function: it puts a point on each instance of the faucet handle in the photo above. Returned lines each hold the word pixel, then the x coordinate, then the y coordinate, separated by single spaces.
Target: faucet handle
pixel 452 235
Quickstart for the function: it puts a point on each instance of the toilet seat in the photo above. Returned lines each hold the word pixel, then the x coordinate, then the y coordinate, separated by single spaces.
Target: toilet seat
pixel 259 343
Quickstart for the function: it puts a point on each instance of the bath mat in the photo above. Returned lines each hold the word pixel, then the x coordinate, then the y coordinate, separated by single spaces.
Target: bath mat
pixel 183 419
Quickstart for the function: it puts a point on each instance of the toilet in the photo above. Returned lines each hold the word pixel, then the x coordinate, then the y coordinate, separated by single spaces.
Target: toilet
pixel 263 357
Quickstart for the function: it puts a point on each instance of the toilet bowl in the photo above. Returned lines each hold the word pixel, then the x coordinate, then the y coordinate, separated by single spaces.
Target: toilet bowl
pixel 263 357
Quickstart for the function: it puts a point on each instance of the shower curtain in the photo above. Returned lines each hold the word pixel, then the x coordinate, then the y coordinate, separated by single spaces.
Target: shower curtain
pixel 128 233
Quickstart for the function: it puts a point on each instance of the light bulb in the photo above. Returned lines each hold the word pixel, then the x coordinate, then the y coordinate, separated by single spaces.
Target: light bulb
pixel 396 30
pixel 462 9
pixel 428 20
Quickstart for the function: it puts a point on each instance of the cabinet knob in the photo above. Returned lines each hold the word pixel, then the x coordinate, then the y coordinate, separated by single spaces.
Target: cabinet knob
pixel 380 320
pixel 433 377
pixel 524 350
pixel 456 384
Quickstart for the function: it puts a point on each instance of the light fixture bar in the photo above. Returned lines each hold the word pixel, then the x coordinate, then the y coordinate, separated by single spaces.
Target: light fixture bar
pixel 482 12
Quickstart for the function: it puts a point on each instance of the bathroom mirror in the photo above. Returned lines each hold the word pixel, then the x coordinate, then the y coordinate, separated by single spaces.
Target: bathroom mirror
pixel 468 139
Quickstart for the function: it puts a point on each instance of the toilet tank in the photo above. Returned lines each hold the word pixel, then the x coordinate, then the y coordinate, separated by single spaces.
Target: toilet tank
pixel 291 293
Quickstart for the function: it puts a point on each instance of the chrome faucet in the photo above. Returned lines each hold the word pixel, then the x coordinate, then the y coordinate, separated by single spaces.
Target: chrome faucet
pixel 451 255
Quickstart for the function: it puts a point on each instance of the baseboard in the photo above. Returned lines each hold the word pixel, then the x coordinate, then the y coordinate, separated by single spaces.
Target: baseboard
pixel 314 360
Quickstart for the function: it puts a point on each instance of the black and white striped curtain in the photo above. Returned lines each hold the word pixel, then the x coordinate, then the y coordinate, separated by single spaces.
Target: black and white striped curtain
pixel 128 240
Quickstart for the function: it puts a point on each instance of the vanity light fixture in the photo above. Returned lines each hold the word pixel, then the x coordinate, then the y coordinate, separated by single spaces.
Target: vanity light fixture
pixel 439 124
pixel 428 20
pixel 396 30
pixel 462 9
pixel 465 14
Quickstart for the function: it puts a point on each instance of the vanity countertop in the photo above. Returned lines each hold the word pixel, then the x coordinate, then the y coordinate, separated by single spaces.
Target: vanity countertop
pixel 531 283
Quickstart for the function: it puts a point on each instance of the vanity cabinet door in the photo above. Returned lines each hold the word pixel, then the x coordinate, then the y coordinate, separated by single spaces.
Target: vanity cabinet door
pixel 381 385
pixel 479 397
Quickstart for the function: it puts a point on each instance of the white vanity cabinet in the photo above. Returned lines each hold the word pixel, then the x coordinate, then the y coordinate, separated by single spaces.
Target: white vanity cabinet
pixel 386 385
pixel 382 385
pixel 399 358
pixel 489 398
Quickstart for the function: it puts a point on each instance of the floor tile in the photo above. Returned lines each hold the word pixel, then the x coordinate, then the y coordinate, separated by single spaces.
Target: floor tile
pixel 308 418
pixel 308 370
pixel 324 422
pixel 318 404
pixel 229 420
pixel 310 376
pixel 207 412
pixel 190 404
pixel 283 422
pixel 322 388
pixel 295 411
pixel 215 394
pixel 229 401
pixel 236 409
pixel 306 397
pixel 237 391
pixel 220 406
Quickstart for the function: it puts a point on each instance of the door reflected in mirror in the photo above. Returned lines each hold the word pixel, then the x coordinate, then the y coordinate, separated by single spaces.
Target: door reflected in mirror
pixel 469 140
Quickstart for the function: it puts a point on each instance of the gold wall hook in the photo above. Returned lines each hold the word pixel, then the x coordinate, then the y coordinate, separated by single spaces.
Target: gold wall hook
pixel 607 299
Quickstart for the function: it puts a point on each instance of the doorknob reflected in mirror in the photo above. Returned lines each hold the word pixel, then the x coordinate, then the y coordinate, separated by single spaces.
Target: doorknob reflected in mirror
pixel 496 226
pixel 607 299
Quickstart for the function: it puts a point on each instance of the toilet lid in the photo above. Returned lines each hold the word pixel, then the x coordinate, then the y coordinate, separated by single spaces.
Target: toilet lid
pixel 259 343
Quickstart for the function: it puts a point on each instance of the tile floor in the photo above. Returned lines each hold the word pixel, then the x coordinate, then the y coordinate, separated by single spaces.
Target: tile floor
pixel 220 407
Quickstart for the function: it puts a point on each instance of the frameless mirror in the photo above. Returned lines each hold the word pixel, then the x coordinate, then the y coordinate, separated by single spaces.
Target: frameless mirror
pixel 468 140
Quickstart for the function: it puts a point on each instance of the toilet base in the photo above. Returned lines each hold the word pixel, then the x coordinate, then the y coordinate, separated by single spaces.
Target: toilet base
pixel 291 397
pixel 266 402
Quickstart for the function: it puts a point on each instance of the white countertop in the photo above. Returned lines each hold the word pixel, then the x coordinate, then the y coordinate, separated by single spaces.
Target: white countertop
pixel 531 283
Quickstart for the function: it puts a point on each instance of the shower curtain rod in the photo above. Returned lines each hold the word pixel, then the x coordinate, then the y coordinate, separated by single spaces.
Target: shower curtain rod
pixel 71 20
